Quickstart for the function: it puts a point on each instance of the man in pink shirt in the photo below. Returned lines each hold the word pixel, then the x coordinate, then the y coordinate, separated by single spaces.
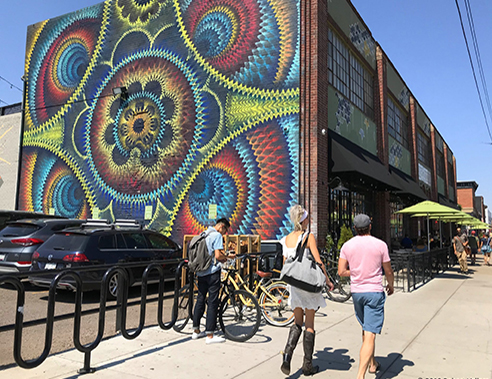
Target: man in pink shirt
pixel 367 256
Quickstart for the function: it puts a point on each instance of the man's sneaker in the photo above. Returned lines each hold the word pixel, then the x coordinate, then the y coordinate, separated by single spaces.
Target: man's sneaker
pixel 196 335
pixel 215 339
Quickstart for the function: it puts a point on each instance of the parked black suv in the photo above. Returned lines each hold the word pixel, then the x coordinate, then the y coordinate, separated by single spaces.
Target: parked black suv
pixel 19 239
pixel 100 243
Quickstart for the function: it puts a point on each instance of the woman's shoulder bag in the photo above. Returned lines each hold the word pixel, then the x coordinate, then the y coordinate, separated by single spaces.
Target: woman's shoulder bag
pixel 302 271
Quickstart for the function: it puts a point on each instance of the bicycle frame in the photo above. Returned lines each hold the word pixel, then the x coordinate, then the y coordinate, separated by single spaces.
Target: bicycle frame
pixel 238 282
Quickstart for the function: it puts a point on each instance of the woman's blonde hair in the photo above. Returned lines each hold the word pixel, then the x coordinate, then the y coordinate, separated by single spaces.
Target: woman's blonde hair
pixel 296 213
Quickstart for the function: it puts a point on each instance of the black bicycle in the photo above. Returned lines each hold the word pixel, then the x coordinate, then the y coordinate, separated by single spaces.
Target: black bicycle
pixel 239 313
pixel 341 291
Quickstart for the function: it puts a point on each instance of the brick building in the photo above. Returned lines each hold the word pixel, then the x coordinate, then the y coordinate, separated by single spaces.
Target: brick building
pixel 468 200
pixel 380 143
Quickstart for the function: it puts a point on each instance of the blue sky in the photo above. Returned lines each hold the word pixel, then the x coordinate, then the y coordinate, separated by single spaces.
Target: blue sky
pixel 422 38
pixel 15 17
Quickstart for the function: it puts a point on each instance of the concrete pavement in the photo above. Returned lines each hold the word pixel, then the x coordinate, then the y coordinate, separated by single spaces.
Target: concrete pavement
pixel 441 330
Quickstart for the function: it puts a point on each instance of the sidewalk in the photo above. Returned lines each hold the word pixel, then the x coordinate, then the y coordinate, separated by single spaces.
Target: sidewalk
pixel 441 330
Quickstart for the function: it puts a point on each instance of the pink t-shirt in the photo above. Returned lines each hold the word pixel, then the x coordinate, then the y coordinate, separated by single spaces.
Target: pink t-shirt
pixel 365 255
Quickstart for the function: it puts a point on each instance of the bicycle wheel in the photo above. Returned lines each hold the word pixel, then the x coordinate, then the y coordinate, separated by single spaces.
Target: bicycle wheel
pixel 183 308
pixel 341 291
pixel 274 305
pixel 239 316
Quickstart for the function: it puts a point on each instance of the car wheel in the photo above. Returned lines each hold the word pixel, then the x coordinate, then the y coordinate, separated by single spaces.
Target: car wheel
pixel 113 285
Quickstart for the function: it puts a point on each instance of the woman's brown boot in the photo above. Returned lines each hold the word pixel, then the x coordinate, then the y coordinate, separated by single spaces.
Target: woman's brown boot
pixel 308 344
pixel 294 334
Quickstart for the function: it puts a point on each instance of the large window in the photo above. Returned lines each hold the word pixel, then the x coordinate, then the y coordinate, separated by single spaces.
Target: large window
pixel 397 123
pixel 450 175
pixel 348 76
pixel 396 220
pixel 440 165
pixel 338 64
pixel 423 149
pixel 344 206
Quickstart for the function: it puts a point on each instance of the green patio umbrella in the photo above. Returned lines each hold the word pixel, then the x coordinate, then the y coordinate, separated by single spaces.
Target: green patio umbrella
pixel 459 218
pixel 426 209
pixel 455 217
pixel 475 224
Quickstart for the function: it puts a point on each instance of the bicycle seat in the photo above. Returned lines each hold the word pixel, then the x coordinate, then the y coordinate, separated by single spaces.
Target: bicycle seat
pixel 262 274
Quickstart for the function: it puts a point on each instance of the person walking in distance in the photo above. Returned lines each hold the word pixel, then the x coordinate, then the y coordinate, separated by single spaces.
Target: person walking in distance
pixel 485 248
pixel 459 243
pixel 304 303
pixel 363 259
pixel 473 243
pixel 209 282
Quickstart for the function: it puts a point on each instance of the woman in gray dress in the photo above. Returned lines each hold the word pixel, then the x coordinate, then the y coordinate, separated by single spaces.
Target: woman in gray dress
pixel 304 303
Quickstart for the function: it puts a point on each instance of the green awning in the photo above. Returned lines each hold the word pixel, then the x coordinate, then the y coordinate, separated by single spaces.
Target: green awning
pixel 407 184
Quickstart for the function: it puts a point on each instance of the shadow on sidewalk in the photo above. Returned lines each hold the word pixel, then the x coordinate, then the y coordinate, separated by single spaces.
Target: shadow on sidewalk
pixel 329 361
pixel 392 365
pixel 455 275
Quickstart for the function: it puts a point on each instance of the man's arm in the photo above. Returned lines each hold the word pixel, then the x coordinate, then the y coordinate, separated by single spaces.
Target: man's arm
pixel 343 269
pixel 454 246
pixel 390 277
pixel 221 256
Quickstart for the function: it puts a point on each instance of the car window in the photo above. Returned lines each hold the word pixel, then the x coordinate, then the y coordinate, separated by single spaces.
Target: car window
pixel 66 241
pixel 158 241
pixel 14 230
pixel 106 242
pixel 135 241
pixel 120 241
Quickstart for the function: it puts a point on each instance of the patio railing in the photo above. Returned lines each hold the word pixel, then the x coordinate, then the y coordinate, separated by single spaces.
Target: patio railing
pixel 415 269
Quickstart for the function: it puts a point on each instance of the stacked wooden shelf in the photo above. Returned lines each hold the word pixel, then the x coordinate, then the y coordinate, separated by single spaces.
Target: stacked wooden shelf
pixel 237 243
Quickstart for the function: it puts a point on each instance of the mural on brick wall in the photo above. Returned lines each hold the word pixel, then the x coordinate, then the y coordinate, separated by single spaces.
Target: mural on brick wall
pixel 208 114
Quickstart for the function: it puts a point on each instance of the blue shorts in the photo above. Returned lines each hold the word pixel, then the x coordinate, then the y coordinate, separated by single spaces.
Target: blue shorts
pixel 369 310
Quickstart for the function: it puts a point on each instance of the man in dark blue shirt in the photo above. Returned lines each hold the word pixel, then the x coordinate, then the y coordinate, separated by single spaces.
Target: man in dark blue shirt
pixel 406 242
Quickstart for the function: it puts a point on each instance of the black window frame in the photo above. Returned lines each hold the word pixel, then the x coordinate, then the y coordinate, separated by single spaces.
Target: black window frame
pixel 397 121
pixel 424 149
pixel 349 76
pixel 440 168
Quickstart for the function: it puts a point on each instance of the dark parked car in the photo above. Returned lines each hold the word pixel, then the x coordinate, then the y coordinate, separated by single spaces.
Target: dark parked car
pixel 7 215
pixel 96 243
pixel 19 240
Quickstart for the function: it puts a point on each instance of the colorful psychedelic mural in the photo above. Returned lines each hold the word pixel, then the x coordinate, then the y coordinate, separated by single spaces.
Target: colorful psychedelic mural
pixel 207 114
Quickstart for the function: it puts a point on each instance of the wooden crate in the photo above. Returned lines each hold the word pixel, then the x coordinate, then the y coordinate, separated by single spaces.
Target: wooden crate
pixel 239 243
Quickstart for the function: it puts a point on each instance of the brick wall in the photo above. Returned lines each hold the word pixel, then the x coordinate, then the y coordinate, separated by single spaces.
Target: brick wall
pixel 465 199
pixel 314 115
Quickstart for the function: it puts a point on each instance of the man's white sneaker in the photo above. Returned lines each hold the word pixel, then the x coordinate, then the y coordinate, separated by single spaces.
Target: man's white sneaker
pixel 215 339
pixel 196 335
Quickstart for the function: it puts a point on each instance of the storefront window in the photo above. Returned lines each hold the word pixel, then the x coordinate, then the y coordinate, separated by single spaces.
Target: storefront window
pixel 344 206
pixel 396 221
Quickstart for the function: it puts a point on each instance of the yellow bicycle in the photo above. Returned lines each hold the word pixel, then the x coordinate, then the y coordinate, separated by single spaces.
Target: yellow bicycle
pixel 272 294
